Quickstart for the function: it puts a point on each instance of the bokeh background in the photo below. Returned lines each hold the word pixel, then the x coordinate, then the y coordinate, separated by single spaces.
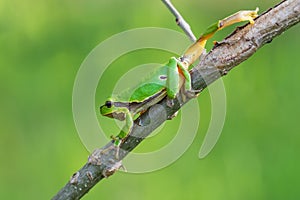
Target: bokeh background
pixel 43 44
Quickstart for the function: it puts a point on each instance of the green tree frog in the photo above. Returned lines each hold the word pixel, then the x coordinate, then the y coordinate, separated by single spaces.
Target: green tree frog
pixel 166 81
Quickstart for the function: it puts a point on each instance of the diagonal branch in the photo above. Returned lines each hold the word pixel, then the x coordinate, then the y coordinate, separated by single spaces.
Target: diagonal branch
pixel 233 50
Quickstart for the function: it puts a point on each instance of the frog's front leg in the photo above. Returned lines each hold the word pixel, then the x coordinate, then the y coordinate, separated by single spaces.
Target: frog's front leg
pixel 124 132
pixel 122 113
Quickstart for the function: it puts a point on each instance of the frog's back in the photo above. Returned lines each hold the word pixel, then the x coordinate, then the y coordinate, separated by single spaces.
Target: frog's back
pixel 146 91
pixel 152 85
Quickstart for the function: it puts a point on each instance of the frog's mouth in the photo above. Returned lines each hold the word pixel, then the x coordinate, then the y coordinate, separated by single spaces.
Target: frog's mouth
pixel 119 116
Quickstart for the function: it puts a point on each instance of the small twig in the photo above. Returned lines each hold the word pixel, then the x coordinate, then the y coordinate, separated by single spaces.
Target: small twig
pixel 180 20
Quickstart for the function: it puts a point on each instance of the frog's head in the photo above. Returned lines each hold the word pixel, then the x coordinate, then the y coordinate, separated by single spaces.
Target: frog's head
pixel 113 110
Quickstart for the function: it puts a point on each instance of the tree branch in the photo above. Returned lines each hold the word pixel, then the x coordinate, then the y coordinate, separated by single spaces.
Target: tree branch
pixel 233 50
pixel 180 20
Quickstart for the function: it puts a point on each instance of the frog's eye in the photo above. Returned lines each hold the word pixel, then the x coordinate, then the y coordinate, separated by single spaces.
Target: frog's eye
pixel 108 104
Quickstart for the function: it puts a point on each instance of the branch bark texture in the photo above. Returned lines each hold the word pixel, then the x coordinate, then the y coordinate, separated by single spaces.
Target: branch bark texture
pixel 227 54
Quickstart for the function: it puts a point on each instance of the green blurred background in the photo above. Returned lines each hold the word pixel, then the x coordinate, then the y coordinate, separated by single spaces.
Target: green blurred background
pixel 43 44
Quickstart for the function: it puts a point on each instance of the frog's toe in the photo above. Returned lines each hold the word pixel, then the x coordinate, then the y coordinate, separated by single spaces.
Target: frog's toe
pixel 192 93
pixel 95 157
pixel 170 102
pixel 172 116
